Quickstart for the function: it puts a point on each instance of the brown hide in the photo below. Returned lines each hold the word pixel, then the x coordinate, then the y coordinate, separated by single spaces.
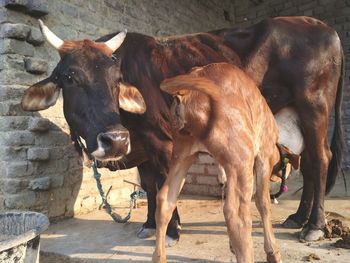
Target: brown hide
pixel 226 116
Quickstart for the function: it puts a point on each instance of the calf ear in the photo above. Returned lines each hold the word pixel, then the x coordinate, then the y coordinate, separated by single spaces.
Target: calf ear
pixel 294 160
pixel 130 99
pixel 40 96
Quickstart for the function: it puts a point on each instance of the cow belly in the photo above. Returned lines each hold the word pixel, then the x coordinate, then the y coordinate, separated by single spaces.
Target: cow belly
pixel 289 130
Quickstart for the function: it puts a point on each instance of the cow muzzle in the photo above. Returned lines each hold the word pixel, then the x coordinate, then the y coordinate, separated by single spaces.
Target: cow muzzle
pixel 112 145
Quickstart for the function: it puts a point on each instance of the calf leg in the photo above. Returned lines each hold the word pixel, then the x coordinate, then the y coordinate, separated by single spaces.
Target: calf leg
pixel 239 190
pixel 151 179
pixel 166 203
pixel 263 172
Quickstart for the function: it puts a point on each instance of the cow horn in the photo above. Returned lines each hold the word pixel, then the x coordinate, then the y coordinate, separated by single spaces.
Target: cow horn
pixel 54 40
pixel 115 42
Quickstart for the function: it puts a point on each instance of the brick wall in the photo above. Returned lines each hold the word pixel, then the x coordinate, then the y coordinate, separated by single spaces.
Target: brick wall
pixel 39 168
pixel 335 13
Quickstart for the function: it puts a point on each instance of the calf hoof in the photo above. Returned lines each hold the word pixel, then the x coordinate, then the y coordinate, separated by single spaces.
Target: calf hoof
pixel 308 234
pixel 292 223
pixel 145 232
pixel 170 242
pixel 274 257
pixel 158 259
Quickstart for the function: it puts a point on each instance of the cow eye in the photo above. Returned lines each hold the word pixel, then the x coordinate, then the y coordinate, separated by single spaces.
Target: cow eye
pixel 69 78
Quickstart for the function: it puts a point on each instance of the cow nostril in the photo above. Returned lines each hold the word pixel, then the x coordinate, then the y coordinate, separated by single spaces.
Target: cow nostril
pixel 106 141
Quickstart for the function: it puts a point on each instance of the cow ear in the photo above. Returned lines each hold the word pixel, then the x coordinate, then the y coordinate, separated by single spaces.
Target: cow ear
pixel 40 96
pixel 130 99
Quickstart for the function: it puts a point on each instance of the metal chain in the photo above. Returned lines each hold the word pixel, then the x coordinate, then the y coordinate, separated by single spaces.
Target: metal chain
pixel 136 194
pixel 283 187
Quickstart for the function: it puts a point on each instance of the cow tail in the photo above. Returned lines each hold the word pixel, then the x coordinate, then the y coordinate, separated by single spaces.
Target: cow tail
pixel 337 144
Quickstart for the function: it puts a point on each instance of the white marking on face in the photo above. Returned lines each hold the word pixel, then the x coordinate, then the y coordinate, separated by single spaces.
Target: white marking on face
pixel 129 146
pixel 99 153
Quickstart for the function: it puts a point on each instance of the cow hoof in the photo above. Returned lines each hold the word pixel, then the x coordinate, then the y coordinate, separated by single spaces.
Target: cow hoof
pixel 291 224
pixel 309 235
pixel 145 232
pixel 170 242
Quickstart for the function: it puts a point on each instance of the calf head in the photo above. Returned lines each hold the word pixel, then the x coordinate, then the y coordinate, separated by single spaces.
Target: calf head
pixel 92 94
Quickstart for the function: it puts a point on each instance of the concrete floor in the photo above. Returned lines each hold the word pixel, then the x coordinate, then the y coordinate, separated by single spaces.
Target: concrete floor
pixel 96 238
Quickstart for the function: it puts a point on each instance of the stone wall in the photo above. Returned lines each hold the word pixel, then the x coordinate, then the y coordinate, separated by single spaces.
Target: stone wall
pixel 39 169
pixel 335 13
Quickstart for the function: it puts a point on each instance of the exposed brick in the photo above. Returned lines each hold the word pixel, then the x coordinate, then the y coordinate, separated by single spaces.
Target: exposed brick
pixel 196 169
pixel 57 181
pixel 20 201
pixel 7 62
pixel 37 8
pixel 205 159
pixel 208 180
pixel 13 186
pixel 9 77
pixel 212 170
pixel 38 124
pixel 38 154
pixel 14 46
pixel 40 184
pixel 16 4
pixel 35 37
pixel 10 92
pixel 56 208
pixel 12 16
pixel 191 179
pixel 13 123
pixel 16 138
pixel 35 65
pixel 13 153
pixel 18 169
pixel 52 138
pixel 17 31
pixel 12 108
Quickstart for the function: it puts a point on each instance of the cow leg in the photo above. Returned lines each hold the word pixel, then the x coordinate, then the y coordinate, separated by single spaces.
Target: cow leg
pixel 151 179
pixel 262 169
pixel 314 229
pixel 148 183
pixel 166 203
pixel 239 188
pixel 300 218
pixel 315 126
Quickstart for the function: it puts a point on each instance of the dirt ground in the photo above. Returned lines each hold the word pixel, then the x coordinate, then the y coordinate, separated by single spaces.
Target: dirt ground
pixel 95 238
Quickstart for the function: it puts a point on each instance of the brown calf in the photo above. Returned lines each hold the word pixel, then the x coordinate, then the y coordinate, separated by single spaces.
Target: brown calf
pixel 224 114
